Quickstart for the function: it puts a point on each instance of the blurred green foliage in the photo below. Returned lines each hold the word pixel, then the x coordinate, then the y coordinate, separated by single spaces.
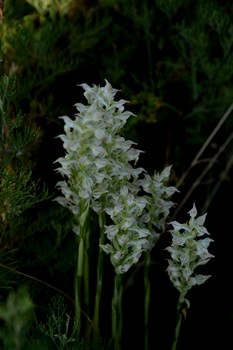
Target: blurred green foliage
pixel 16 313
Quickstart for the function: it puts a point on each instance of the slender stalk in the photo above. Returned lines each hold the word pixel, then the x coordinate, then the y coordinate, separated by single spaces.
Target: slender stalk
pixel 82 273
pixel 178 325
pixel 117 312
pixel 78 284
pixel 147 288
pixel 86 272
pixel 99 277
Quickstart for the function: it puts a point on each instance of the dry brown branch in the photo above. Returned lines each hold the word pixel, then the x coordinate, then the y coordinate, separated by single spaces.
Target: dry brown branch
pixel 1 11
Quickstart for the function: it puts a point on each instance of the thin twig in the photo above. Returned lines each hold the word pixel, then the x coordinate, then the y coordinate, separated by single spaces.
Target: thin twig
pixel 206 144
pixel 45 283
pixel 1 11
pixel 199 179
pixel 37 280
pixel 219 183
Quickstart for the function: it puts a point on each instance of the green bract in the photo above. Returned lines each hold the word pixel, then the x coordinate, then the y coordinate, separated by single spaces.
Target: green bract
pixel 187 252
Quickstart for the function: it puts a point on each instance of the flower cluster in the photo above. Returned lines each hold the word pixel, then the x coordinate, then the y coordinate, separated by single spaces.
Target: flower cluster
pixel 158 204
pixel 128 239
pixel 100 173
pixel 188 251
pixel 96 156
pixel 138 219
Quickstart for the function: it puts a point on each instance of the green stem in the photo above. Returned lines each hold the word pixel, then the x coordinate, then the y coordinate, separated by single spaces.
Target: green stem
pixel 78 283
pixel 117 312
pixel 194 78
pixel 178 325
pixel 99 281
pixel 147 288
pixel 82 273
pixel 86 266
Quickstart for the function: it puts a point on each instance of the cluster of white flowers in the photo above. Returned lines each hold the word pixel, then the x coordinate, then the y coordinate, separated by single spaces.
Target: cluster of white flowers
pixel 96 156
pixel 99 174
pixel 188 251
pixel 158 201
pixel 138 220
pixel 128 239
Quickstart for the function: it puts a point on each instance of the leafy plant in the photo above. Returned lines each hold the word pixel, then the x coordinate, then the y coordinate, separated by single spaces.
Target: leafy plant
pixel 16 314
pixel 18 191
pixel 99 177
pixel 58 326
pixel 188 251
pixel 62 330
